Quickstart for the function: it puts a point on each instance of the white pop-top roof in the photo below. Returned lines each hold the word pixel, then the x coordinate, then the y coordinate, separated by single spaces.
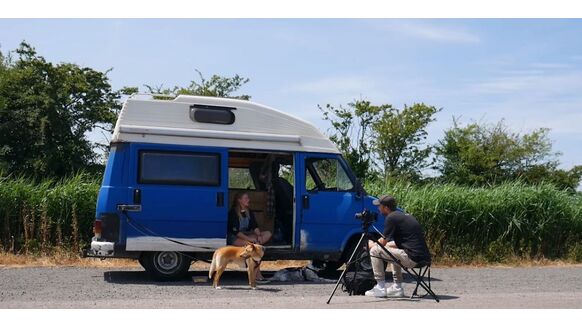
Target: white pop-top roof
pixel 255 126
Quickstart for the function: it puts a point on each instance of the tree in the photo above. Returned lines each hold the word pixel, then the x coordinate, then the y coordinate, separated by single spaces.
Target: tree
pixel 399 140
pixel 46 110
pixel 351 130
pixel 216 86
pixel 478 154
pixel 562 179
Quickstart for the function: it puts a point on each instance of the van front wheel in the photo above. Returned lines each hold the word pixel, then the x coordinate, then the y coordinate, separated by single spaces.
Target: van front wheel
pixel 166 266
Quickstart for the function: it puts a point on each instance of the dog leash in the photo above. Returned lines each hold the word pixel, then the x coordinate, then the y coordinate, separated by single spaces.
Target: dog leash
pixel 148 232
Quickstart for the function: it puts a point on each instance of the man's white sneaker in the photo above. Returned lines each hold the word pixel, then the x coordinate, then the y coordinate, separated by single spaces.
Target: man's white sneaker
pixel 394 291
pixel 376 292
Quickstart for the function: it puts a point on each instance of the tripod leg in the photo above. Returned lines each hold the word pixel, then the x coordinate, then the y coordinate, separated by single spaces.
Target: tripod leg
pixel 347 264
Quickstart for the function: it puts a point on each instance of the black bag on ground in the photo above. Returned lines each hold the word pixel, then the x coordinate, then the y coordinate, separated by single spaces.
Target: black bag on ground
pixel 359 276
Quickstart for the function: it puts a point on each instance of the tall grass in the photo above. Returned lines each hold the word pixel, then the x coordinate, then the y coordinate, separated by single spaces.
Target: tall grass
pixel 462 224
pixel 36 217
pixel 494 224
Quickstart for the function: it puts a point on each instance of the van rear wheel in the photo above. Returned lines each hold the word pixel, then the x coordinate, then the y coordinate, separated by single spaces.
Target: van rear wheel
pixel 165 266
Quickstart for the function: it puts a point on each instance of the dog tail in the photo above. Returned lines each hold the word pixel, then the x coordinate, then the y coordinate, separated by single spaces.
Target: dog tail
pixel 212 266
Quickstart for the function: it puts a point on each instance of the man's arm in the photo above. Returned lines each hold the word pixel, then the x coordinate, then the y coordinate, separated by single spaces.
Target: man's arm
pixel 384 242
pixel 388 239
pixel 389 229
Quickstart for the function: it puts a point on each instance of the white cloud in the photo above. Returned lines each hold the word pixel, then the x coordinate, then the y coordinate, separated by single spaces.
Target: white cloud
pixel 432 32
pixel 533 83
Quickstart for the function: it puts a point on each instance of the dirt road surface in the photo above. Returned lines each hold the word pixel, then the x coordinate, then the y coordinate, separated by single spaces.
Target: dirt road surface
pixel 75 287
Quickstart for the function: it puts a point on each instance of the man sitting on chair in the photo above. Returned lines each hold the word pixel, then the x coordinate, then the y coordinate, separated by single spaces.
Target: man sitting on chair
pixel 403 239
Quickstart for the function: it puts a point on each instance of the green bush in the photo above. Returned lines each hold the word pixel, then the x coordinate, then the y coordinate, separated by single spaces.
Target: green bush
pixel 495 223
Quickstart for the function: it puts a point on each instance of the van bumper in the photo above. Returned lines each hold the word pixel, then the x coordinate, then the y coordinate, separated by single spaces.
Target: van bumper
pixel 100 249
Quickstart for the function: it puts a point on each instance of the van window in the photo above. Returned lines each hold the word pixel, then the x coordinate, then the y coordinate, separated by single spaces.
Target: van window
pixel 212 114
pixel 286 172
pixel 178 168
pixel 329 175
pixel 240 178
pixel 309 181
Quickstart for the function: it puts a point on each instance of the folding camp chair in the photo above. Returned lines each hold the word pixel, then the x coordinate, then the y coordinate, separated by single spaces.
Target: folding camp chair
pixel 420 272
pixel 421 275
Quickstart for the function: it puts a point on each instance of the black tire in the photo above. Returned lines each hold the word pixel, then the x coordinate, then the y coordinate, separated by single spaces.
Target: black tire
pixel 361 256
pixel 165 266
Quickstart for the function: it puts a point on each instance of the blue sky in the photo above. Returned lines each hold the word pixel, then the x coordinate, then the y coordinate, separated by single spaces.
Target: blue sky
pixel 526 71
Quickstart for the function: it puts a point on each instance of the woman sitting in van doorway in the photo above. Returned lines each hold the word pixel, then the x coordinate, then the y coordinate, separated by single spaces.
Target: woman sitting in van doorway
pixel 243 227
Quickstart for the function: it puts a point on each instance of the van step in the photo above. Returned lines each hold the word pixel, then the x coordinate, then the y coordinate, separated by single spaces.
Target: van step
pixel 277 246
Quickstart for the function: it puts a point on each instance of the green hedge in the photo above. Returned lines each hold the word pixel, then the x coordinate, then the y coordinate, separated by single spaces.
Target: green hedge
pixel 494 224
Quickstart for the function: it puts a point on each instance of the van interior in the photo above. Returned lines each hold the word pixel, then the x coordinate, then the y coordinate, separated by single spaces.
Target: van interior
pixel 268 179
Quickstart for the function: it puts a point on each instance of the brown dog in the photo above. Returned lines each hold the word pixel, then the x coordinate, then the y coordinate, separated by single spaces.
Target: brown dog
pixel 249 256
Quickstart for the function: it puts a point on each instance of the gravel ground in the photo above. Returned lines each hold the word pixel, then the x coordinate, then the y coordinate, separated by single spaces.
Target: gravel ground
pixel 73 287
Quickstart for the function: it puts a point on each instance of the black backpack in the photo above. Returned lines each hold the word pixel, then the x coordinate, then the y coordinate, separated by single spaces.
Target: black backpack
pixel 359 276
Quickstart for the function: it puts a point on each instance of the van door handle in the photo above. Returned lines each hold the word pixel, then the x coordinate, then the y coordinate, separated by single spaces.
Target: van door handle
pixel 305 201
pixel 220 199
pixel 137 196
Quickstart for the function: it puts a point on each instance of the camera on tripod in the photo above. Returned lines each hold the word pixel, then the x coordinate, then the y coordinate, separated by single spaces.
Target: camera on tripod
pixel 366 216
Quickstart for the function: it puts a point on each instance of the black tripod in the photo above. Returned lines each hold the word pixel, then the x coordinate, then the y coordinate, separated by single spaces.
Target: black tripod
pixel 366 235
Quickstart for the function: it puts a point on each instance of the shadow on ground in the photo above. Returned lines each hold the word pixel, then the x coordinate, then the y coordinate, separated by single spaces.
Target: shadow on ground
pixel 230 278
pixel 233 277
pixel 238 280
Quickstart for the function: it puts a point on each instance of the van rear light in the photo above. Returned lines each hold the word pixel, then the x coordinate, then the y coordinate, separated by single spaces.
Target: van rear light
pixel 97 229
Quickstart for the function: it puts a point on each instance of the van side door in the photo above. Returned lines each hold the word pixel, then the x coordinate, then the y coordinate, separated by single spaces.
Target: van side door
pixel 182 193
pixel 328 202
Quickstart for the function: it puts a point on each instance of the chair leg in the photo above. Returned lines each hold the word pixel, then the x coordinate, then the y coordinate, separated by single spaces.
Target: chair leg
pixel 418 276
pixel 428 288
pixel 429 277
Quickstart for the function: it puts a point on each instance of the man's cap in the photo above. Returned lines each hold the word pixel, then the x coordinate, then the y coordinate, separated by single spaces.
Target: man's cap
pixel 385 200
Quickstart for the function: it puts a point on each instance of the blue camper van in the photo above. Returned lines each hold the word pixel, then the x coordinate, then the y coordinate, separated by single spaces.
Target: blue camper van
pixel 175 167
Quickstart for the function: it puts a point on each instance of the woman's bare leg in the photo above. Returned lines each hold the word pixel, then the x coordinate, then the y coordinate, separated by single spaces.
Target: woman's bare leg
pixel 239 242
pixel 265 236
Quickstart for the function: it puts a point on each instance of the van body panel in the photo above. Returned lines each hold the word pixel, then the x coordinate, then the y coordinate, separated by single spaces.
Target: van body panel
pixel 113 189
pixel 173 214
pixel 326 215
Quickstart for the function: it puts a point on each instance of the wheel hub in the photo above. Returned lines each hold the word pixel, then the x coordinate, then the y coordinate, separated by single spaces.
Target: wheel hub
pixel 167 260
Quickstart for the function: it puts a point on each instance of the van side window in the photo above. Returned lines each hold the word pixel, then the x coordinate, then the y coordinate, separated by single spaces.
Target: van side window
pixel 179 168
pixel 240 178
pixel 327 174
